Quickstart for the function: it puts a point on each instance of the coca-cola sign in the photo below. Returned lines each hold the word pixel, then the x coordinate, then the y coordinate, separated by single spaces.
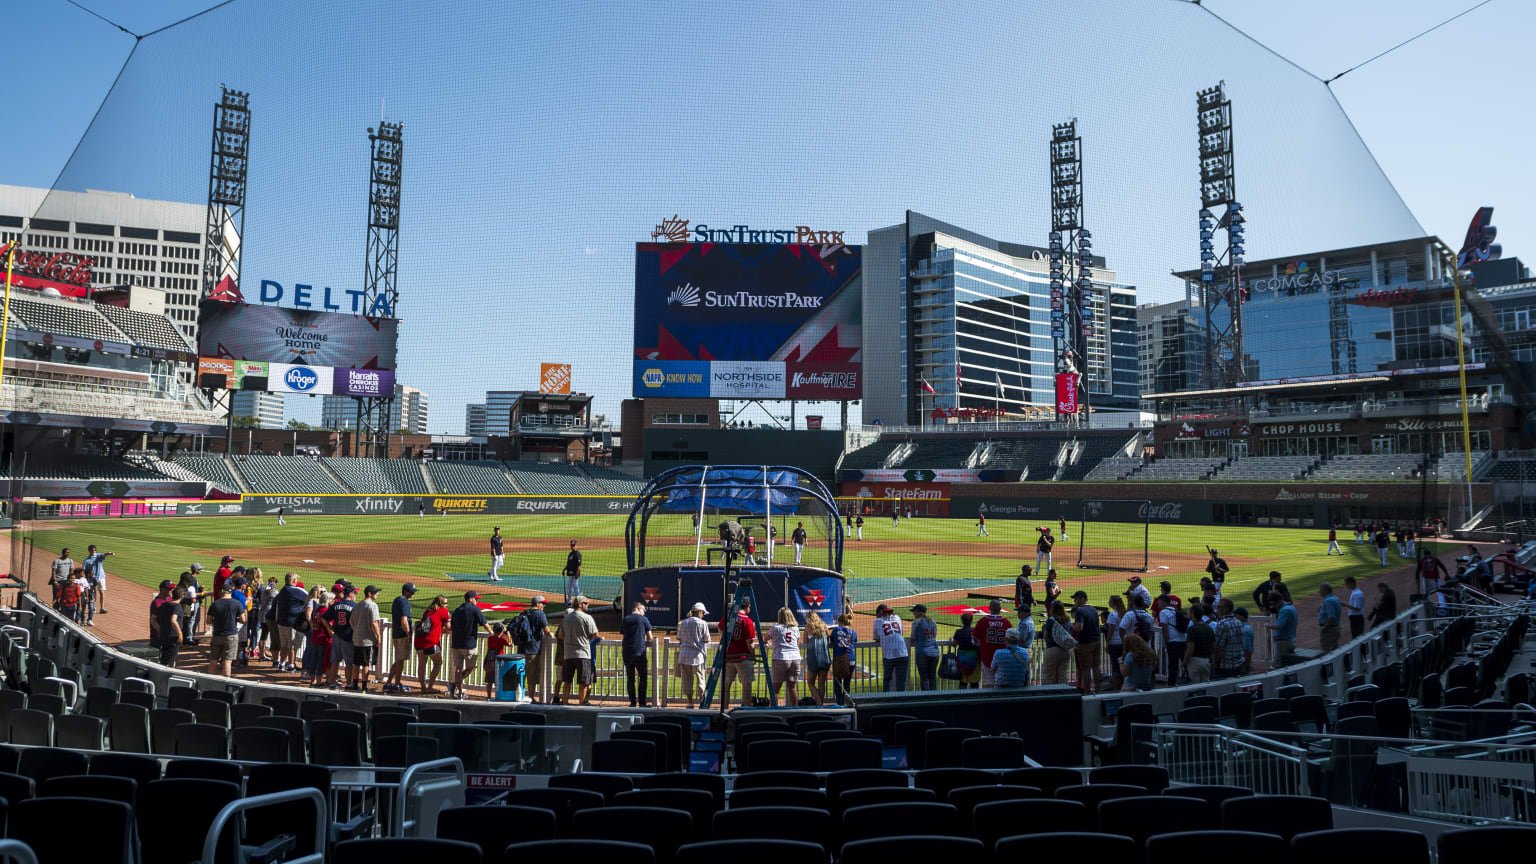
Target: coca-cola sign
pixel 65 272
pixel 1168 511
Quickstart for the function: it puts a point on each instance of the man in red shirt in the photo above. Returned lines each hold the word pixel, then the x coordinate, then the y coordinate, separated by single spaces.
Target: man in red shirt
pixel 989 634
pixel 222 573
pixel 739 654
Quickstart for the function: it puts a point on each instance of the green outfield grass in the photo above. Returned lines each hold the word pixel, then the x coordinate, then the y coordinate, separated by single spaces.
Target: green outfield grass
pixel 407 548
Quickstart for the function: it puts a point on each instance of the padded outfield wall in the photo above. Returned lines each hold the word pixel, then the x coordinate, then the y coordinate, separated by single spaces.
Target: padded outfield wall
pixel 1299 504
pixel 331 505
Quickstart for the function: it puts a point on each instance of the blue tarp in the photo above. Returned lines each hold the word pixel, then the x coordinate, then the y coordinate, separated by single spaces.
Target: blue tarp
pixel 739 490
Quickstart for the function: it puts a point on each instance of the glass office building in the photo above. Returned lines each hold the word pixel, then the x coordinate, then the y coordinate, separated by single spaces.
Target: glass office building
pixel 970 316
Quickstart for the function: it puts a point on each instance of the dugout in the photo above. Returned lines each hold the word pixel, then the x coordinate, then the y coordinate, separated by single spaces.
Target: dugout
pixel 676 557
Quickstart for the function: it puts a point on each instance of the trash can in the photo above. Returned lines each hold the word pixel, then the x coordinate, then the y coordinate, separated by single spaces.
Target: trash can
pixel 509 677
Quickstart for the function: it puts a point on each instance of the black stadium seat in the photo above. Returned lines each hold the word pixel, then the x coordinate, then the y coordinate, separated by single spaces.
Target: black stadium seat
pixel 881 820
pixel 494 827
pixel 660 828
pixel 1063 845
pixel 777 796
pixel 606 851
pixel 52 827
pixel 1173 848
pixel 1286 815
pixel 910 847
pixel 564 803
pixel 1352 845
pixel 755 850
pixel 606 785
pixel 807 824
pixel 376 849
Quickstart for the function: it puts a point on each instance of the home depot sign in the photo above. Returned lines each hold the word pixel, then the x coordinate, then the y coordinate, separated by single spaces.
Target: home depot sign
pixel 554 377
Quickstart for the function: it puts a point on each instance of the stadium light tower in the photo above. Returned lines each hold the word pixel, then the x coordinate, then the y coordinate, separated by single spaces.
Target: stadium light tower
pixel 1070 254
pixel 1221 289
pixel 379 288
pixel 227 166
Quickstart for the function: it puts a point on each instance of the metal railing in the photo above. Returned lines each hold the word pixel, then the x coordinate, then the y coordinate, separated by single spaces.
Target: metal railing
pixel 243 805
pixel 1460 781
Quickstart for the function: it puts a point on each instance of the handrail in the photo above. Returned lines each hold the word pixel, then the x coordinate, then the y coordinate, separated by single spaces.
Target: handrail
pixel 409 776
pixel 312 795
pixel 16 852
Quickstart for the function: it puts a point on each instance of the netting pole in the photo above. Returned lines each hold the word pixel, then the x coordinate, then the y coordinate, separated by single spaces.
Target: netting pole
pixel 768 513
pixel 698 529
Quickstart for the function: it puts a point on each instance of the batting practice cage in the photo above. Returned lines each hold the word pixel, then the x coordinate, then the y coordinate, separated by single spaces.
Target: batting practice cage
pixel 689 519
pixel 1113 535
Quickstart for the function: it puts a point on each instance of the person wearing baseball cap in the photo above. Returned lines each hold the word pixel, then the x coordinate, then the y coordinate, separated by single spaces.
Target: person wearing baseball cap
pixel 400 638
pixel 1137 589
pixel 367 632
pixel 464 638
pixel 1165 598
pixel 539 650
pixel 572 574
pixel 223 573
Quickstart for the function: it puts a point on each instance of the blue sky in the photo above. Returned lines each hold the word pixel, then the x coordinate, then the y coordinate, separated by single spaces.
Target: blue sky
pixel 540 147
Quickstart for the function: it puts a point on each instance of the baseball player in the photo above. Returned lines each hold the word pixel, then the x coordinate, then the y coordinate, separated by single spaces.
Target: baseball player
pixel 280 519
pixel 1411 534
pixel 1043 548
pixel 572 574
pixel 981 525
pixel 1063 521
pixel 1333 541
pixel 497 558
pixel 798 538
pixel 421 510
pixel 859 527
pixel 896 517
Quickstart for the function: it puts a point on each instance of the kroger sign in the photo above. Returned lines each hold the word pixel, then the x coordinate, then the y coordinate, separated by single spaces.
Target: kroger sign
pixel 289 378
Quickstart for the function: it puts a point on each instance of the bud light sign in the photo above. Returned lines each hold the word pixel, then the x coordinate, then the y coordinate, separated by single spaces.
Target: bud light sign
pixel 289 378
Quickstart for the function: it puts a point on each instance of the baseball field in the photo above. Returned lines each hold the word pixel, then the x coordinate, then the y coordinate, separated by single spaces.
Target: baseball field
pixel 928 556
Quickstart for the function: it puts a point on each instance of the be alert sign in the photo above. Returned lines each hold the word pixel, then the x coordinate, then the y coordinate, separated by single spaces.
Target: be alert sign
pixel 554 377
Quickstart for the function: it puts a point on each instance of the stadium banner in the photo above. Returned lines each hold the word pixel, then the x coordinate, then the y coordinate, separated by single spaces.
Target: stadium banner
pixel 815 594
pixel 658 590
pixel 689 378
pixel 65 272
pixel 555 378
pixel 1048 510
pixel 251 375
pixel 102 508
pixel 1066 393
pixel 935 492
pixel 245 331
pixel 746 380
pixel 38 337
pixel 106 491
pixel 375 383
pixel 215 373
pixel 822 381
pixel 312 380
pixel 434 505
pixel 725 303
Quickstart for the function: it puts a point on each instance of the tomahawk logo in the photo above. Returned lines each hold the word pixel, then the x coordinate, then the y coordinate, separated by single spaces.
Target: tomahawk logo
pixel 651 595
pixel 1095 509
pixel 688 295
pixel 813 597
pixel 981 508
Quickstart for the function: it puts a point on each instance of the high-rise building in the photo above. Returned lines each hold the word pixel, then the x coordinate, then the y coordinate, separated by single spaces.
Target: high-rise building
pixel 408 413
pixel 970 317
pixel 498 411
pixel 130 241
pixel 474 420
pixel 267 408
pixel 1170 347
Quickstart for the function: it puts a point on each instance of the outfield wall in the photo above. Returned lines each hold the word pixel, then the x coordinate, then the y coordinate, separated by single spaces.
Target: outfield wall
pixel 1299 504
pixel 328 505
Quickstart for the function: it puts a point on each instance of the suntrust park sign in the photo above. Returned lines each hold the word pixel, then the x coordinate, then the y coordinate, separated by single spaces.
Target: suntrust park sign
pixel 676 230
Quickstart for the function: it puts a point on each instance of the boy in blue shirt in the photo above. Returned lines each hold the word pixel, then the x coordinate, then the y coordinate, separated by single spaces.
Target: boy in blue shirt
pixel 842 657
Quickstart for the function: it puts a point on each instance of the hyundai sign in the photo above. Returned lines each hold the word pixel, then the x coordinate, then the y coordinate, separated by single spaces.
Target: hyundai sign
pixel 288 378
pixel 749 315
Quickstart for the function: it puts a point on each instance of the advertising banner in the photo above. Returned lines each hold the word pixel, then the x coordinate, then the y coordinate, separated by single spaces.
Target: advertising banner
pixel 921 475
pixel 251 374
pixel 907 491
pixel 375 383
pixel 658 590
pixel 747 302
pixel 216 373
pixel 1066 393
pixel 105 489
pixel 822 380
pixel 689 378
pixel 741 380
pixel 65 272
pixel 1050 509
pixel 554 377
pixel 244 331
pixel 408 505
pixel 815 594
pixel 288 378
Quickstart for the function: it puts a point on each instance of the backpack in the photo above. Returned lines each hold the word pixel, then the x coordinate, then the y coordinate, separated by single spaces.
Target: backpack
pixel 1143 625
pixel 521 631
pixel 423 626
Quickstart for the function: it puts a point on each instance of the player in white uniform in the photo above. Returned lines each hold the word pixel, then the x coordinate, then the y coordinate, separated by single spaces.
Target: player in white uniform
pixel 497 558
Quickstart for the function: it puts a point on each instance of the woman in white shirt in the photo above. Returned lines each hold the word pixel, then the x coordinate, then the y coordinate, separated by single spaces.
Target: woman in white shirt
pixel 784 639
